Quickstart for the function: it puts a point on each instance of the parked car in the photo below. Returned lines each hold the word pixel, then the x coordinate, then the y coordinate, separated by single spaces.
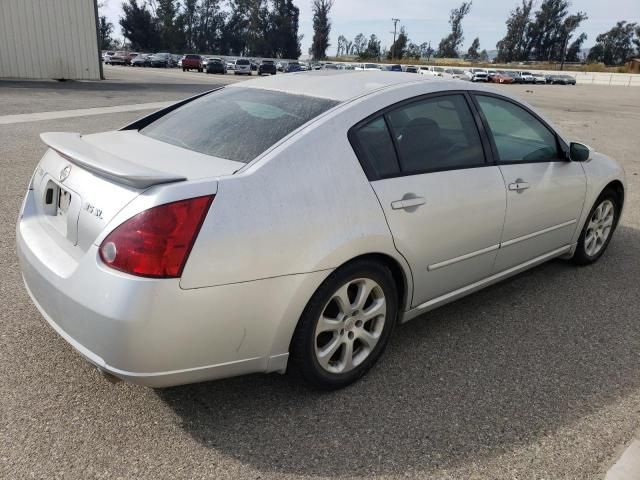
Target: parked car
pixel 254 65
pixel 163 60
pixel 393 68
pixel 106 56
pixel 231 64
pixel 242 67
pixel 267 67
pixel 501 77
pixel 523 77
pixel 299 247
pixel 561 79
pixel 477 75
pixel 142 60
pixel 539 78
pixel 280 66
pixel 192 62
pixel 129 57
pixel 292 67
pixel 372 67
pixel 411 69
pixel 216 65
pixel 454 74
pixel 330 66
pixel 431 70
pixel 118 58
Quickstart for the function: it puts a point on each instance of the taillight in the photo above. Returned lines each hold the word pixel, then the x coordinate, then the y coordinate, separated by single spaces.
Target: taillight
pixel 157 242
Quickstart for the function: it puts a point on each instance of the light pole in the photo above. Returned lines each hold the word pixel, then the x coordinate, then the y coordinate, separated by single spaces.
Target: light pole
pixel 395 29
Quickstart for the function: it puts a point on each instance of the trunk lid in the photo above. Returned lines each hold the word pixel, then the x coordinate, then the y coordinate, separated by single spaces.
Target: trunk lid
pixel 82 182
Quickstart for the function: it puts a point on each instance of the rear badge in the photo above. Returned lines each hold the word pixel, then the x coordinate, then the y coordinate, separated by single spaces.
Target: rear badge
pixel 93 210
pixel 64 173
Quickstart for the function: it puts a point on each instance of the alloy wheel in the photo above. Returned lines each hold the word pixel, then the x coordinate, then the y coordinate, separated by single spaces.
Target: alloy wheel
pixel 599 228
pixel 350 325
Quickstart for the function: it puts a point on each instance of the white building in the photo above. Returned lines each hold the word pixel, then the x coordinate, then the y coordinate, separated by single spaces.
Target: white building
pixel 49 39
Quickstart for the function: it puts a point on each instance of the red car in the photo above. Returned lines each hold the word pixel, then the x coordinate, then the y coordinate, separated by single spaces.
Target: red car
pixel 501 78
pixel 192 62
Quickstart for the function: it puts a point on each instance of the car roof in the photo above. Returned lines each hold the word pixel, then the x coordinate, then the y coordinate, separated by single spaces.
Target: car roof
pixel 339 85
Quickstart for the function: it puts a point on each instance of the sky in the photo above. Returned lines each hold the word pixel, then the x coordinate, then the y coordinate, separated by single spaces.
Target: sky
pixel 427 20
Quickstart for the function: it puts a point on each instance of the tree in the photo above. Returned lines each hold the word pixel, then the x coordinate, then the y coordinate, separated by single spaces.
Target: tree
pixel 234 31
pixel 413 51
pixel 283 24
pixel 551 29
pixel 426 50
pixel 637 40
pixel 373 48
pixel 105 29
pixel 342 46
pixel 210 23
pixel 614 47
pixel 513 46
pixel 139 27
pixel 484 56
pixel 472 53
pixel 573 52
pixel 398 48
pixel 359 44
pixel 171 37
pixel 188 21
pixel 258 29
pixel 321 28
pixel 449 45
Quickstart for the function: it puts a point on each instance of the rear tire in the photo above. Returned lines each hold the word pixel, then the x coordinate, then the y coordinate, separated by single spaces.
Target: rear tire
pixel 346 326
pixel 598 229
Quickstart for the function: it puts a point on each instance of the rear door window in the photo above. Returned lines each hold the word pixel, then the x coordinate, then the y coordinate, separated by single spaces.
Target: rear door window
pixel 236 123
pixel 435 134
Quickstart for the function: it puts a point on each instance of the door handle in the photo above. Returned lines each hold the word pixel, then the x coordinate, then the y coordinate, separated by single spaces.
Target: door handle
pixel 408 203
pixel 518 186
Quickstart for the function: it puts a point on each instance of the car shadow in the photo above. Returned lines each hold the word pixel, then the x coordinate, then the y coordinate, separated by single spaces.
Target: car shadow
pixel 496 370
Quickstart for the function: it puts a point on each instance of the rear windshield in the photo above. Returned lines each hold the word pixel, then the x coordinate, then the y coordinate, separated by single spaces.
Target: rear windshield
pixel 192 57
pixel 236 123
pixel 267 62
pixel 242 62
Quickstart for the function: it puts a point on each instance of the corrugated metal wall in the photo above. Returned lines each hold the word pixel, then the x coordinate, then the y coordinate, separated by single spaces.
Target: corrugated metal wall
pixel 49 39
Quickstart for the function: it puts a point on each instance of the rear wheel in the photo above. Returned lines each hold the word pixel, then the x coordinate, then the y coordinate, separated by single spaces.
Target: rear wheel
pixel 598 230
pixel 346 325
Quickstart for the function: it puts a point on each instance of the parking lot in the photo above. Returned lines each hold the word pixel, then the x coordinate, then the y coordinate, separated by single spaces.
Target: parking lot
pixel 536 377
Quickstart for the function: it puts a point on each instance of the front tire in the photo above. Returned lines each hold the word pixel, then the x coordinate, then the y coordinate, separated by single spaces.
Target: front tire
pixel 598 229
pixel 346 326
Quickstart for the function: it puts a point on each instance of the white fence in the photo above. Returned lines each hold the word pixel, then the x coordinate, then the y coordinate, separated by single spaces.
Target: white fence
pixel 599 78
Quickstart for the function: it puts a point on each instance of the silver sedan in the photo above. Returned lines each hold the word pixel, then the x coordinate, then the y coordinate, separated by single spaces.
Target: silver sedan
pixel 287 224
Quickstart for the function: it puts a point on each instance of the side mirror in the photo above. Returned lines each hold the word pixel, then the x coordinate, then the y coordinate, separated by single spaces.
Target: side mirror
pixel 579 152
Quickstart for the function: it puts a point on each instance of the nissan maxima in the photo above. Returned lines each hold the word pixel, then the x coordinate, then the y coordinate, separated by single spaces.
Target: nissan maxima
pixel 286 224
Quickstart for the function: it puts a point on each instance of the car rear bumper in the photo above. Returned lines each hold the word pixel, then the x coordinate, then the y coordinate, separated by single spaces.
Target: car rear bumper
pixel 152 332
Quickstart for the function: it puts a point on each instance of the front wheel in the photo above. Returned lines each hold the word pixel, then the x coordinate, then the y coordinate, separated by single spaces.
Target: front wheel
pixel 598 230
pixel 346 325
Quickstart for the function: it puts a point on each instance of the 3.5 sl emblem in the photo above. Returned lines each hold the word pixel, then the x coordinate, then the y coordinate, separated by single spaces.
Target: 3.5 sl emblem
pixel 64 173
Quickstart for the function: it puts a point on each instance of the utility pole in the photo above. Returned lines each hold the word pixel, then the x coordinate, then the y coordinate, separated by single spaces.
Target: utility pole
pixel 429 52
pixel 395 29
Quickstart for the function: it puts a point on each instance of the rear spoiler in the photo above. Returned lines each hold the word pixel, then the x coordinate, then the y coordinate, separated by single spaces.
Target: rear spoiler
pixel 74 149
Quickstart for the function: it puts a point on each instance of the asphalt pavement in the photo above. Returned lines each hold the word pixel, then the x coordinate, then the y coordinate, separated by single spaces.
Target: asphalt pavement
pixel 536 377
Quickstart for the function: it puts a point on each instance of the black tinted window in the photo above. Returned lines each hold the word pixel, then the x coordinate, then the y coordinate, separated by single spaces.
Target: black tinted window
pixel 375 147
pixel 518 135
pixel 436 134
pixel 236 123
